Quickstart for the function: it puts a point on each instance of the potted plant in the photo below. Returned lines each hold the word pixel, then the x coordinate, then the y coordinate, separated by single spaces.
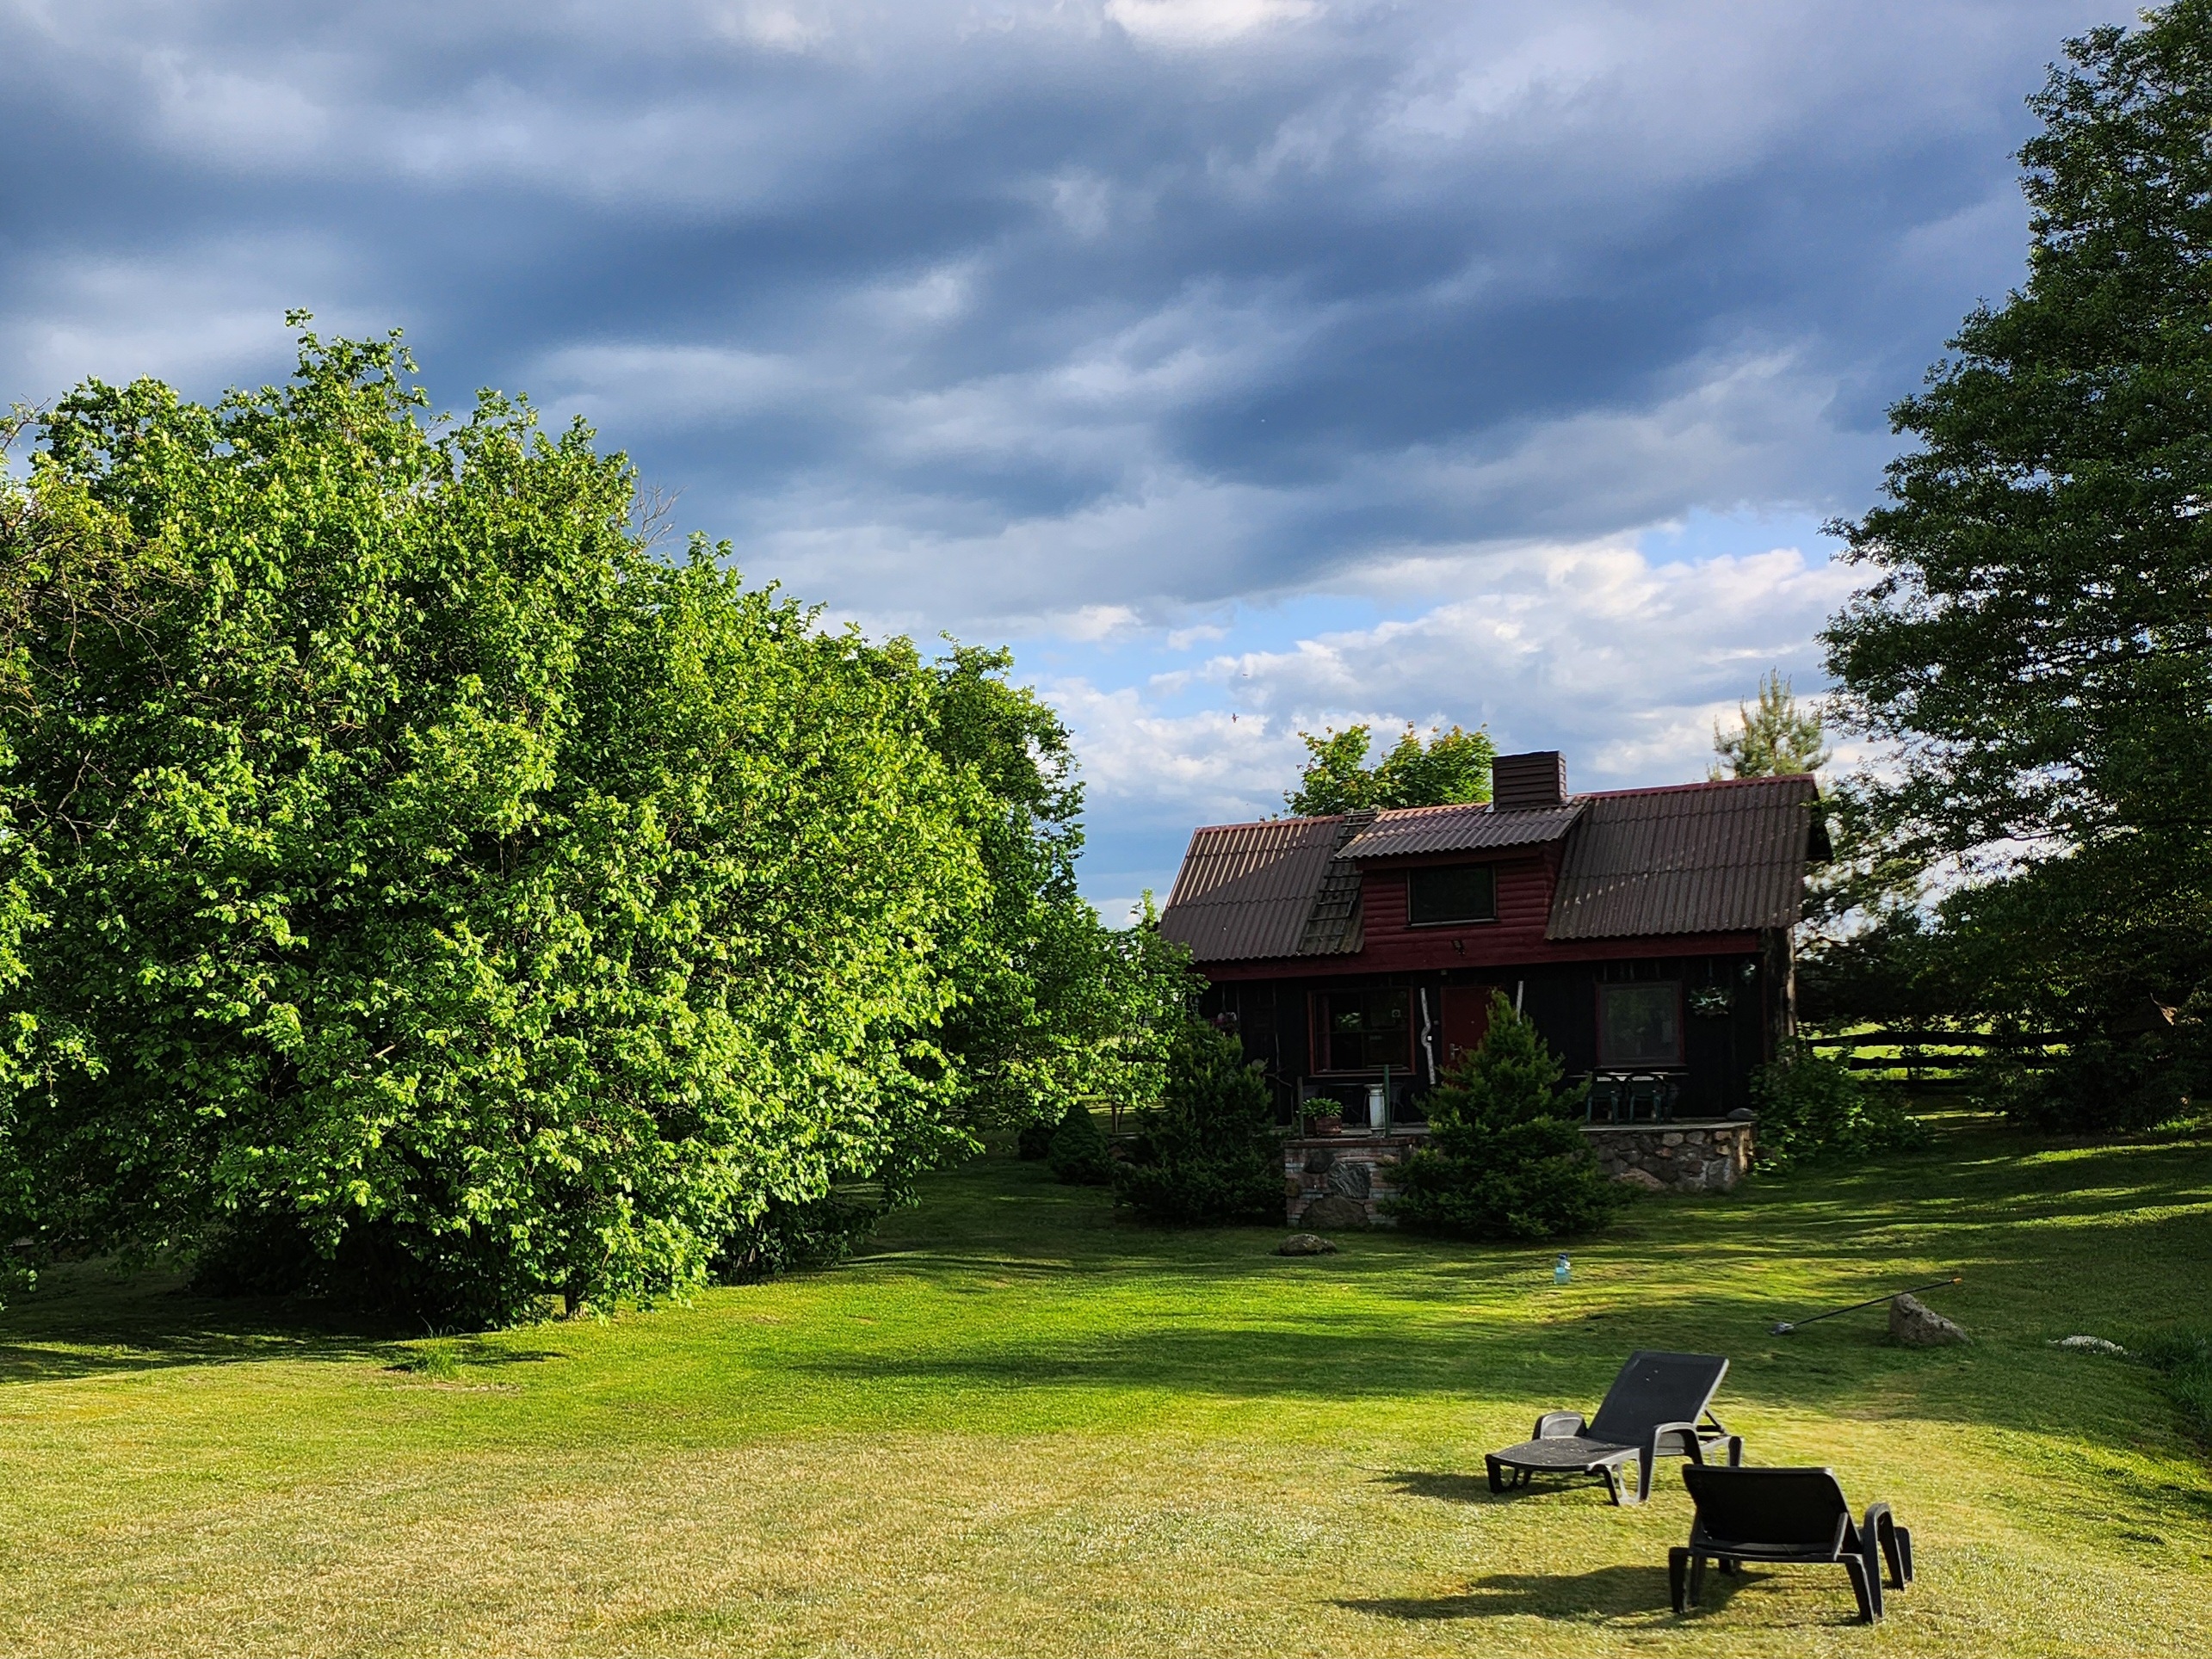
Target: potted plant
pixel 1329 1119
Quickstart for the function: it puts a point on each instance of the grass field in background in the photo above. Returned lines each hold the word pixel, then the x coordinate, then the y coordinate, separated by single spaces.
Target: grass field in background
pixel 1021 1425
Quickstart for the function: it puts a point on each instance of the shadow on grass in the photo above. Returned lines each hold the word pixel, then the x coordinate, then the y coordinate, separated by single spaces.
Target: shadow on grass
pixel 1443 1485
pixel 86 1322
pixel 1601 1593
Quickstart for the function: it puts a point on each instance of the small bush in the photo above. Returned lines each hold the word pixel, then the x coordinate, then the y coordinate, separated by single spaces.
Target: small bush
pixel 1036 1141
pixel 1080 1154
pixel 1504 1158
pixel 1210 1151
pixel 1812 1108
pixel 2105 1086
pixel 2182 1358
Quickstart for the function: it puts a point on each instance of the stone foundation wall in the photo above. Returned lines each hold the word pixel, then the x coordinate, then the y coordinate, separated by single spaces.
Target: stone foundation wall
pixel 1330 1182
pixel 1345 1175
pixel 1704 1154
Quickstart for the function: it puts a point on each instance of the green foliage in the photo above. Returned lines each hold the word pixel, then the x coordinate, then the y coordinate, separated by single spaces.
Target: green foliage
pixel 1452 766
pixel 1504 1158
pixel 410 887
pixel 2181 1355
pixel 2033 646
pixel 1776 739
pixel 1079 1151
pixel 1049 1007
pixel 1034 1142
pixel 1210 1151
pixel 1812 1109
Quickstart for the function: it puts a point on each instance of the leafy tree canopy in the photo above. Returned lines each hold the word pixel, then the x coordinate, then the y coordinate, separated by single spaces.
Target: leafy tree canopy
pixel 1775 738
pixel 1452 766
pixel 412 886
pixel 2034 643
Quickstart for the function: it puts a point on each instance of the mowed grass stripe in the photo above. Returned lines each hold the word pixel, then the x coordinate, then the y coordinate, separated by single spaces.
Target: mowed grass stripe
pixel 1022 1424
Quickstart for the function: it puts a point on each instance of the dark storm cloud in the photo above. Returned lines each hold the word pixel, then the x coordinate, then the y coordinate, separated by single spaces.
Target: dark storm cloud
pixel 966 312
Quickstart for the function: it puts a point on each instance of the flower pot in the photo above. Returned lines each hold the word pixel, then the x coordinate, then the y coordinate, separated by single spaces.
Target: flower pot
pixel 1326 1123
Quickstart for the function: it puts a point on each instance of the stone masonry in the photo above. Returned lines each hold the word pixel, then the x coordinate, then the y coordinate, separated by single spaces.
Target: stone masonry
pixel 1698 1154
pixel 1332 1183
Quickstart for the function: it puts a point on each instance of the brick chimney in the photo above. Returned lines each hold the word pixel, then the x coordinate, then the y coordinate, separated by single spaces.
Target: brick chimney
pixel 1521 782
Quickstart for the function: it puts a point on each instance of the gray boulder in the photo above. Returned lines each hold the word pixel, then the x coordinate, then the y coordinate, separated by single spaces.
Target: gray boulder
pixel 1334 1213
pixel 1914 1323
pixel 1643 1178
pixel 1306 1244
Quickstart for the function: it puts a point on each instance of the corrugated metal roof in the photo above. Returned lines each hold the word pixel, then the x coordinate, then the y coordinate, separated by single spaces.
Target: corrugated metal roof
pixel 1698 858
pixel 1262 890
pixel 1406 830
pixel 1332 928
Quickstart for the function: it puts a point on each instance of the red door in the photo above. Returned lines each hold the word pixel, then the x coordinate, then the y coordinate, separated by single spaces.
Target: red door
pixel 1466 1016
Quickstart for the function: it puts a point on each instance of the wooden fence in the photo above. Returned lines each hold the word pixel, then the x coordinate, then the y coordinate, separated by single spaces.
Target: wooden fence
pixel 1935 1061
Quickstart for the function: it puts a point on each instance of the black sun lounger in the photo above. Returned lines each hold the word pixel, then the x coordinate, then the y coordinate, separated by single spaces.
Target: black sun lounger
pixel 1787 1515
pixel 1652 1411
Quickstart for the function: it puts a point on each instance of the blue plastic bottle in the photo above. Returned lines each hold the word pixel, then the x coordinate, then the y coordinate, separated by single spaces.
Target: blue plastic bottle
pixel 1560 1270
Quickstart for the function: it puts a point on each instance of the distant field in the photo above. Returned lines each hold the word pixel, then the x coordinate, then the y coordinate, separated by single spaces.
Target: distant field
pixel 1021 1426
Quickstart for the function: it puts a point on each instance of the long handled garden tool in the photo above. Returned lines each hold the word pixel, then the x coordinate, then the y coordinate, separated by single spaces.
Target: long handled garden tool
pixel 1788 1325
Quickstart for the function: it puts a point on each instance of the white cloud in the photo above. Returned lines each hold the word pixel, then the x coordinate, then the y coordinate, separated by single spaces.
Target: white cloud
pixel 1623 662
pixel 1203 23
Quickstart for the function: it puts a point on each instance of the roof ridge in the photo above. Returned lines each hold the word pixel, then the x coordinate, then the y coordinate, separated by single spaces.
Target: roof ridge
pixel 1287 818
pixel 1812 778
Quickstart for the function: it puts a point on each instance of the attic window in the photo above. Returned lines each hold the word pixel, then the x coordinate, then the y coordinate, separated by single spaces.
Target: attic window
pixel 1450 893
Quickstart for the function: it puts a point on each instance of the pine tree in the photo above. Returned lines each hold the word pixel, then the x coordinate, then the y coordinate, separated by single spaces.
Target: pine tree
pixel 1774 740
pixel 1503 1161
pixel 1210 1151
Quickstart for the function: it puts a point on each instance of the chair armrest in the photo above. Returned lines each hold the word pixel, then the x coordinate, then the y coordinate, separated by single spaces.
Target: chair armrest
pixel 1559 1426
pixel 1676 1440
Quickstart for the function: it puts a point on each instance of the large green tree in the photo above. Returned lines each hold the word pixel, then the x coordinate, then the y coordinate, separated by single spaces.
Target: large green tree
pixel 2034 645
pixel 414 887
pixel 1452 766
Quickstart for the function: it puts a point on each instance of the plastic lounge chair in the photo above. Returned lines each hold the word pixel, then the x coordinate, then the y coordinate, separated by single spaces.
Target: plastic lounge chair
pixel 1787 1515
pixel 1652 1411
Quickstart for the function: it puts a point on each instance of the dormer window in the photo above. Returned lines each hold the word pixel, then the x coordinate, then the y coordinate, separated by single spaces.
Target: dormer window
pixel 1449 894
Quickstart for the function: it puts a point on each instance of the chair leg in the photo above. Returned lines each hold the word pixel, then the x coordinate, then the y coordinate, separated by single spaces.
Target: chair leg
pixel 1617 1486
pixel 1865 1588
pixel 1881 1529
pixel 1696 1579
pixel 1644 1467
pixel 1497 1470
pixel 1677 1575
pixel 1735 1450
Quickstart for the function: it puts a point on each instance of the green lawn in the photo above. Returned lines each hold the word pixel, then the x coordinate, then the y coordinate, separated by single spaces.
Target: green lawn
pixel 1021 1426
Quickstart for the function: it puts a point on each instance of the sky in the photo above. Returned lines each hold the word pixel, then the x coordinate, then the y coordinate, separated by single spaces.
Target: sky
pixel 1249 366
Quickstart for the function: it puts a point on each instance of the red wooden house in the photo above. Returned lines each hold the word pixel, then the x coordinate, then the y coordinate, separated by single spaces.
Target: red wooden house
pixel 1645 931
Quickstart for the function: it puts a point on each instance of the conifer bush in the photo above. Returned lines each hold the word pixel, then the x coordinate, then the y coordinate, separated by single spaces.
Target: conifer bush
pixel 1079 1153
pixel 1504 1159
pixel 1210 1151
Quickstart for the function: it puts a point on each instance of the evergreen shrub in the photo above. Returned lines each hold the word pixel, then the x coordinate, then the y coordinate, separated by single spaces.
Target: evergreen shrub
pixel 1210 1151
pixel 1504 1158
pixel 1080 1154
